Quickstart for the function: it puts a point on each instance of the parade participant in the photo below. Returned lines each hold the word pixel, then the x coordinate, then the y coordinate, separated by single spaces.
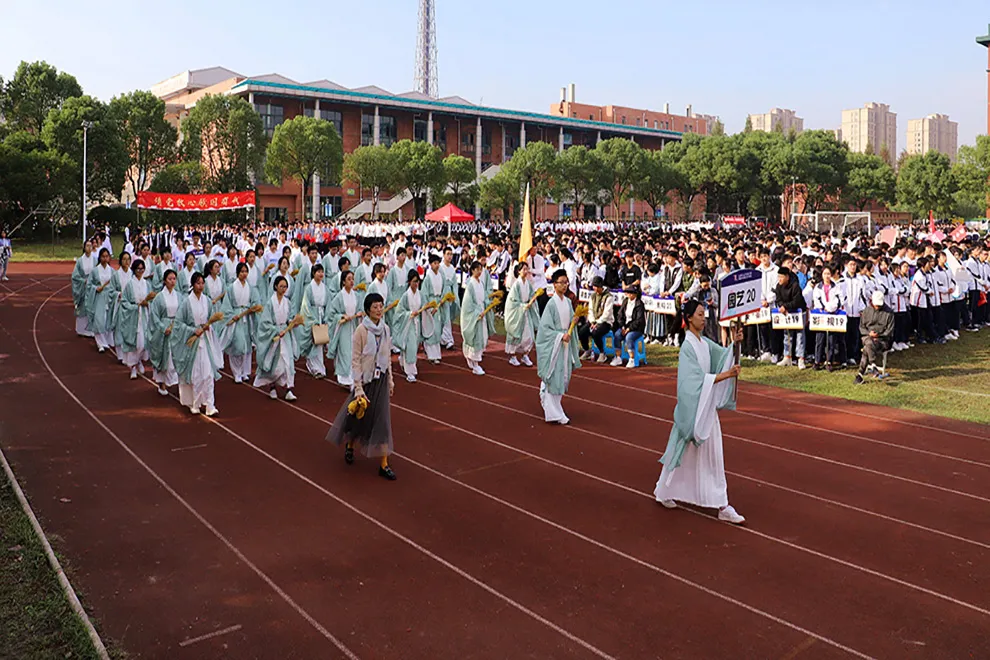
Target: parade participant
pixel 379 285
pixel 452 310
pixel 195 350
pixel 230 265
pixel 335 283
pixel 276 343
pixel 132 319
pixel 365 418
pixel 160 319
pixel 184 278
pixel 215 285
pixel 98 297
pixel 474 328
pixel 311 258
pixel 158 281
pixel 284 272
pixel 255 276
pixel 236 336
pixel 433 292
pixel 120 279
pixel 316 295
pixel 556 350
pixel 80 288
pixel 410 324
pixel 521 317
pixel 342 317
pixel 693 468
pixel 331 260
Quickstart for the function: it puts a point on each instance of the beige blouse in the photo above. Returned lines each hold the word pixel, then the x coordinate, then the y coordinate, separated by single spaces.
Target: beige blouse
pixel 363 365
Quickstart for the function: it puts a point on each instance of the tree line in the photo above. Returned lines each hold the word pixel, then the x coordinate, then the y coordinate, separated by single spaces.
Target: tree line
pixel 131 145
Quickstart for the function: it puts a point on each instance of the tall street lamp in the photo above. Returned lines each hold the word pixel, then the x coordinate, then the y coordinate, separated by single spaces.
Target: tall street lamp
pixel 86 125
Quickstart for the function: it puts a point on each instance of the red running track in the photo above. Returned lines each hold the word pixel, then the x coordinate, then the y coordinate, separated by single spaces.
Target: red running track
pixel 504 537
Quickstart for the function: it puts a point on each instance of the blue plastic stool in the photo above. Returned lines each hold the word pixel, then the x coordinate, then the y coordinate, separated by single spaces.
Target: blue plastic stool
pixel 639 351
pixel 608 341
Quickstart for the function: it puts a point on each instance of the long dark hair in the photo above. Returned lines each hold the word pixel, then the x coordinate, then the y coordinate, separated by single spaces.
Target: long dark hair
pixel 690 307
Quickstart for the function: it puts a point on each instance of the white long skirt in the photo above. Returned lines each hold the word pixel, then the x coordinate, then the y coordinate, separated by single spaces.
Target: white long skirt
pixel 447 334
pixel 700 480
pixel 475 356
pixel 82 327
pixel 199 392
pixel 241 366
pixel 314 362
pixel 134 358
pixel 169 377
pixel 553 410
pixel 104 340
pixel 284 373
pixel 525 344
pixel 432 351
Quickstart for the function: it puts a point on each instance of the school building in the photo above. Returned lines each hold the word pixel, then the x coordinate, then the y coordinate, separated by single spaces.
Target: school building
pixel 371 116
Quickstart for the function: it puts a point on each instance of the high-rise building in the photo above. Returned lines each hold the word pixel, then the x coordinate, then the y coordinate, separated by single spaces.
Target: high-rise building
pixel 786 119
pixel 871 128
pixel 985 42
pixel 932 133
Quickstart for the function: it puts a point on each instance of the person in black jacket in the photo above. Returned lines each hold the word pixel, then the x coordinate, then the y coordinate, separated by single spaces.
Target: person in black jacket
pixel 630 323
pixel 790 299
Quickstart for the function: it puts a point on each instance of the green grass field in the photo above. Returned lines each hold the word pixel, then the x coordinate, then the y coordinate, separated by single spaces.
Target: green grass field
pixel 61 250
pixel 952 380
pixel 36 621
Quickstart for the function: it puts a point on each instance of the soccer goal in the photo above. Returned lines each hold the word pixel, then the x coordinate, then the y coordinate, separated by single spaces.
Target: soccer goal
pixel 832 222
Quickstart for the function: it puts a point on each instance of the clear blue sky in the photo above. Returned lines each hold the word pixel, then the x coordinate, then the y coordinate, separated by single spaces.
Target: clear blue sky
pixel 725 57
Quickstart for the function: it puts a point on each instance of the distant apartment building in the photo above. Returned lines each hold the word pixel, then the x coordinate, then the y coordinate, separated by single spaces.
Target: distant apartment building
pixel 768 122
pixel 689 122
pixel 870 128
pixel 933 133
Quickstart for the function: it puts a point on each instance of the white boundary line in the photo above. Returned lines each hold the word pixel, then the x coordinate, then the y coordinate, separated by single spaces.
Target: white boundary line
pixel 711 592
pixel 14 292
pixel 67 590
pixel 217 633
pixel 654 452
pixel 749 441
pixel 192 510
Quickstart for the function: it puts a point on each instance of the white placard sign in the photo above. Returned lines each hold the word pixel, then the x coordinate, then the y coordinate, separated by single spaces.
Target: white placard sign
pixel 819 321
pixel 792 321
pixel 584 295
pixel 758 317
pixel 660 305
pixel 740 293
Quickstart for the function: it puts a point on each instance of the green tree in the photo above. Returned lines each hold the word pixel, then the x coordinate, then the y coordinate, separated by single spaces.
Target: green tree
pixel 623 162
pixel 227 135
pixel 972 174
pixel 106 153
pixel 459 185
pixel 371 167
pixel 182 178
pixel 656 181
pixel 680 157
pixel 821 166
pixel 149 138
pixel 31 176
pixel 581 174
pixel 301 148
pixel 502 192
pixel 36 89
pixel 419 169
pixel 870 179
pixel 718 128
pixel 536 165
pixel 925 183
pixel 748 127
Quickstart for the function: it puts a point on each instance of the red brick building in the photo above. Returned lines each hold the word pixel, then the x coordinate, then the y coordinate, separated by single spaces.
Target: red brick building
pixel 371 115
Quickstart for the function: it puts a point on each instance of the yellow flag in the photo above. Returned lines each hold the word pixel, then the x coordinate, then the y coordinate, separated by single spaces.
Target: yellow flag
pixel 526 237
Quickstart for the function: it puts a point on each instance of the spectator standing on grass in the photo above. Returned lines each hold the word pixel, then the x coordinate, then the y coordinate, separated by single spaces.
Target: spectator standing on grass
pixel 693 466
pixel 556 350
pixel 876 325
pixel 790 299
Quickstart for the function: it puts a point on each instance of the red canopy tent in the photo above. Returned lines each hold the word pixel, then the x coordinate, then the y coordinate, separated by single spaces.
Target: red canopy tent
pixel 449 213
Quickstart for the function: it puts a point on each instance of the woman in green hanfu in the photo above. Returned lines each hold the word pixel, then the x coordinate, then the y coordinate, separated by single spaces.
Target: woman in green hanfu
pixel 196 364
pixel 80 288
pixel 433 290
pixel 237 336
pixel 276 343
pixel 132 319
pixel 474 328
pixel 556 350
pixel 184 276
pixel 693 468
pixel 163 310
pixel 98 296
pixel 316 295
pixel 410 324
pixel 451 311
pixel 291 292
pixel 343 316
pixel 521 317
pixel 121 277
pixel 158 281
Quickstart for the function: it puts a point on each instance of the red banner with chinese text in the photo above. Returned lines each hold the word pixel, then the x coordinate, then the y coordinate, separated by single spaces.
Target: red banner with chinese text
pixel 211 202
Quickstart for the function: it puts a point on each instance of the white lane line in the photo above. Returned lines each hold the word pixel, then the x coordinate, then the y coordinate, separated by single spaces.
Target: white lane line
pixel 630 411
pixel 654 451
pixel 190 447
pixel 789 422
pixel 171 491
pixel 674 576
pixel 203 638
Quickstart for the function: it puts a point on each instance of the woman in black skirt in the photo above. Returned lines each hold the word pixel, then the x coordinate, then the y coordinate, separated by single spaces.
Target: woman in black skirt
pixel 365 418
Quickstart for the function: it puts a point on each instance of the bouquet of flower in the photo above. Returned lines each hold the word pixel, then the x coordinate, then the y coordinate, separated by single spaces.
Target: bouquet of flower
pixel 217 316
pixel 490 308
pixel 363 286
pixel 294 273
pixel 579 311
pixel 536 294
pixel 497 295
pixel 358 407
pixel 296 321
pixel 448 297
pixel 392 305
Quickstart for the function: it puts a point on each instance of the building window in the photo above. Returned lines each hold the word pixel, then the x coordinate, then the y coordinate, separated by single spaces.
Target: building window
pixel 367 130
pixel 275 215
pixel 331 116
pixel 511 144
pixel 656 124
pixel 623 119
pixel 387 129
pixel 331 207
pixel 637 121
pixel 467 142
pixel 419 130
pixel 271 116
pixel 591 117
pixel 568 140
pixel 440 136
pixel 486 143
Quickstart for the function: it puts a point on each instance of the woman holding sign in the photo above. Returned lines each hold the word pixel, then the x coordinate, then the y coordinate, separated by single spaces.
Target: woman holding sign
pixel 693 468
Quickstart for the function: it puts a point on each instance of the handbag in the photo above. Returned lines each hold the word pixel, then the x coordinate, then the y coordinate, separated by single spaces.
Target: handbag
pixel 321 334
